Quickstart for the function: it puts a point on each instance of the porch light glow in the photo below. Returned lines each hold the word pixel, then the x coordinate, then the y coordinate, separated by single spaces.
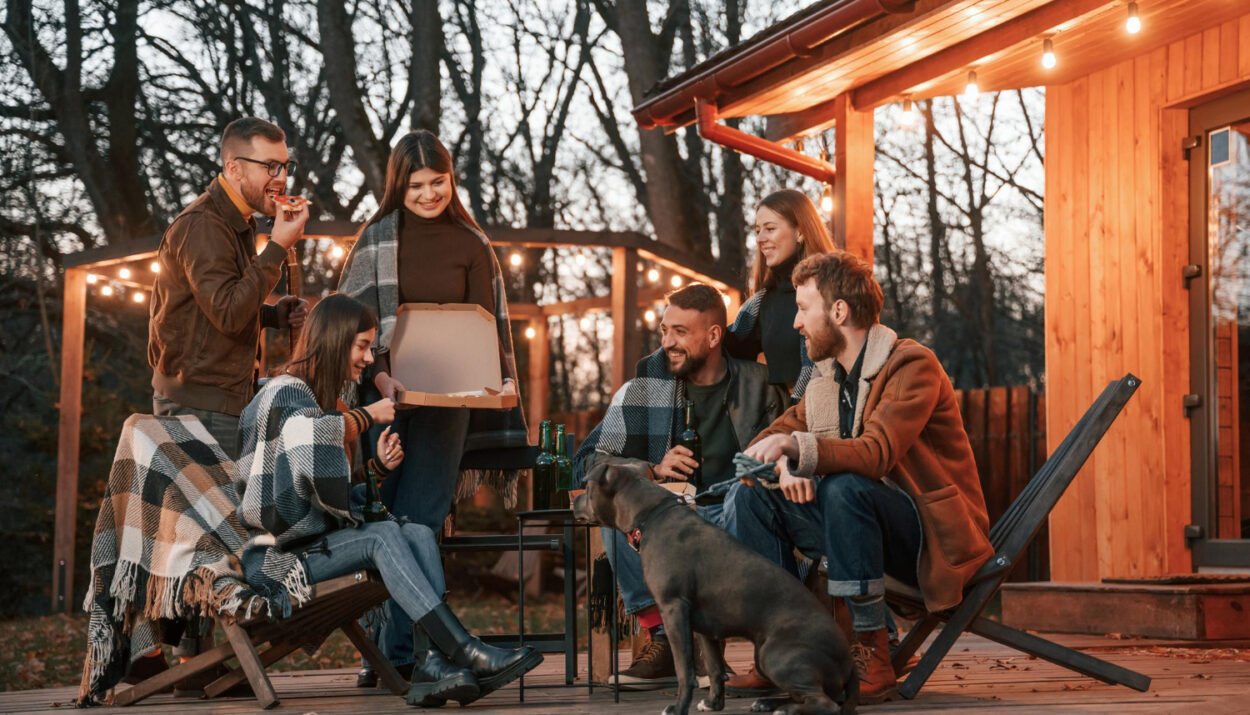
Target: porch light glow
pixel 826 199
pixel 336 252
pixel 1133 24
pixel 908 117
pixel 124 273
pixel 653 275
pixel 676 281
pixel 530 333
pixel 137 297
pixel 1048 54
pixel 92 278
pixel 649 316
pixel 515 259
pixel 106 290
pixel 154 266
pixel 971 90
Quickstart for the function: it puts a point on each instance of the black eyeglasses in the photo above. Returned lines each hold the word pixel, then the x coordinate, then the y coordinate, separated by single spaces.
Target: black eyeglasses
pixel 273 167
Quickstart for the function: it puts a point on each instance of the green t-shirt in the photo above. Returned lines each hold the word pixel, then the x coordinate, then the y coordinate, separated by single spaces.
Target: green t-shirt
pixel 715 430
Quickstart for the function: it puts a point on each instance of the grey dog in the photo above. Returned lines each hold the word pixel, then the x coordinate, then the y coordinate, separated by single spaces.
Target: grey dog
pixel 705 581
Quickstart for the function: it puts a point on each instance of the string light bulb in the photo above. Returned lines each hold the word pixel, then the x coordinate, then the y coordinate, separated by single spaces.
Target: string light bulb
pixel 971 90
pixel 653 275
pixel 530 332
pixel 676 281
pixel 908 117
pixel 155 266
pixel 92 279
pixel 826 199
pixel 1132 25
pixel 1048 54
pixel 649 316
pixel 106 290
pixel 138 297
pixel 336 252
pixel 124 273
pixel 515 259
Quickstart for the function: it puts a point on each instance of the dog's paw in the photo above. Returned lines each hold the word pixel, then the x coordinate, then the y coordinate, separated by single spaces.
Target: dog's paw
pixel 706 706
pixel 670 710
pixel 761 706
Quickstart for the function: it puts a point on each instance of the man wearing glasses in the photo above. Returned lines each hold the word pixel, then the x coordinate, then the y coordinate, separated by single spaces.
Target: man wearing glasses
pixel 208 303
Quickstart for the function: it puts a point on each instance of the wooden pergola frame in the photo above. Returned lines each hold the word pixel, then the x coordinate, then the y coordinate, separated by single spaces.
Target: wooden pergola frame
pixel 624 301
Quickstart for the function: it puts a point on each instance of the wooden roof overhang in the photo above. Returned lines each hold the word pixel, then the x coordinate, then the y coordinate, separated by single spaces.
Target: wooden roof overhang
pixel 795 73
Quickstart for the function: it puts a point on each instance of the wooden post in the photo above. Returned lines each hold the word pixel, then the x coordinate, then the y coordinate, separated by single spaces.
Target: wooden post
pixel 537 391
pixel 852 192
pixel 625 338
pixel 73 327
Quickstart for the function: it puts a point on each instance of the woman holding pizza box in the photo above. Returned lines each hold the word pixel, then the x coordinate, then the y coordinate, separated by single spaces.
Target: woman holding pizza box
pixel 423 246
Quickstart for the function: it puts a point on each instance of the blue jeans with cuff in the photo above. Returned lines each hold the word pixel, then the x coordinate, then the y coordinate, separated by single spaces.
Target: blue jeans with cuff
pixel 866 528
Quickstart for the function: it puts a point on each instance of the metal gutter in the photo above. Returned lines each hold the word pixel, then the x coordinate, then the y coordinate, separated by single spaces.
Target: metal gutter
pixel 761 148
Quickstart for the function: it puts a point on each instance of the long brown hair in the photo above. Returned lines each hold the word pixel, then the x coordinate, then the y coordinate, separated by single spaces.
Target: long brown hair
pixel 325 346
pixel 798 211
pixel 413 152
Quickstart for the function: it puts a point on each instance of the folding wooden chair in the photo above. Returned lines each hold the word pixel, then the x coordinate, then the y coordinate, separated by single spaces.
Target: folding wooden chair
pixel 335 604
pixel 1010 537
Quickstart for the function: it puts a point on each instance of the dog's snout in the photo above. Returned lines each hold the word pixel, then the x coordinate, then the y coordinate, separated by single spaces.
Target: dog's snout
pixel 581 509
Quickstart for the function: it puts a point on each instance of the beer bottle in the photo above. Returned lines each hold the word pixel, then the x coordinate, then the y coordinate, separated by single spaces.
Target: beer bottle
pixel 564 466
pixel 374 509
pixel 689 438
pixel 544 469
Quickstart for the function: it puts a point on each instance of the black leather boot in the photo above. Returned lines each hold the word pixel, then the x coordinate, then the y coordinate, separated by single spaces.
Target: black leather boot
pixel 493 667
pixel 435 679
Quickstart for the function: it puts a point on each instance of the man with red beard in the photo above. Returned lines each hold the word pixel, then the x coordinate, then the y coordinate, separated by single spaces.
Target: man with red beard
pixel 208 303
pixel 876 472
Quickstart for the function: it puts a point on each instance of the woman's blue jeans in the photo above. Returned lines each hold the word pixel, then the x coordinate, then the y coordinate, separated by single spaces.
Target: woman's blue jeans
pixel 407 558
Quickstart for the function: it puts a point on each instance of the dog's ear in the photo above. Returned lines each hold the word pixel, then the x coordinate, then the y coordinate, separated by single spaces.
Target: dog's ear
pixel 597 473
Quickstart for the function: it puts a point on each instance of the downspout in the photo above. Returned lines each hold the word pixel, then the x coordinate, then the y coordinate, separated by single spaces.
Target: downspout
pixel 796 161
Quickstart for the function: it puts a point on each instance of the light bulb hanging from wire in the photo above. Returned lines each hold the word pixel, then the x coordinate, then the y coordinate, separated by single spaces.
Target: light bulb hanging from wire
pixel 908 117
pixel 971 90
pixel 826 199
pixel 1132 25
pixel 1048 54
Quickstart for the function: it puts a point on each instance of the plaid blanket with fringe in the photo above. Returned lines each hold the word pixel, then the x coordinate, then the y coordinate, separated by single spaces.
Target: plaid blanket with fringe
pixel 166 545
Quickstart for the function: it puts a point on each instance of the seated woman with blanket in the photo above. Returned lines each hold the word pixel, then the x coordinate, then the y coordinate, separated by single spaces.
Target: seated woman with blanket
pixel 295 476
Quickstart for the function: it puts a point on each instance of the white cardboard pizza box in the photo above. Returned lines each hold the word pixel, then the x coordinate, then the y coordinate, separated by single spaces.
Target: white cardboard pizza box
pixel 447 355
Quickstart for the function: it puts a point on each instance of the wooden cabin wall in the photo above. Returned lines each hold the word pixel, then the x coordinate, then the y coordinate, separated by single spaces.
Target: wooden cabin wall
pixel 1116 241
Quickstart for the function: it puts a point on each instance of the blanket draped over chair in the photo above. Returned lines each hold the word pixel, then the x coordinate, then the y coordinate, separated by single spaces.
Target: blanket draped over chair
pixel 166 546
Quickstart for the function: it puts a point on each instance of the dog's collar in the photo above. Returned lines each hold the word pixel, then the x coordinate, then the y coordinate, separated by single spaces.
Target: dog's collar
pixel 634 535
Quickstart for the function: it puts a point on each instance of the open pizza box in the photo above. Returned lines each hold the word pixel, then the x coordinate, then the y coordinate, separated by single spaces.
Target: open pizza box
pixel 447 355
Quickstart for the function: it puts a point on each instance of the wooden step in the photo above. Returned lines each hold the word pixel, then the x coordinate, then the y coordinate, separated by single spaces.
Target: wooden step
pixel 1215 611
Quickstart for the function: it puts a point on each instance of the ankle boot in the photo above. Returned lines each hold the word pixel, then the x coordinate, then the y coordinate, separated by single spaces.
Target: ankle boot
pixel 493 667
pixel 877 682
pixel 435 680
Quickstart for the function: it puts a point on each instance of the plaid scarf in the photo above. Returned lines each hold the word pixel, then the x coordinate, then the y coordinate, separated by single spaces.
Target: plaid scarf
pixel 166 545
pixel 498 439
pixel 640 421
pixel 748 321
pixel 296 486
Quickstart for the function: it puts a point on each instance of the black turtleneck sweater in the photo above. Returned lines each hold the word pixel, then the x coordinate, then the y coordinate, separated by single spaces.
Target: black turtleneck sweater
pixel 774 333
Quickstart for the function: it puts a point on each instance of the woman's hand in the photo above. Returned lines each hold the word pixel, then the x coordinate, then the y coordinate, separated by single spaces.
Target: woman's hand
pixel 390 451
pixel 388 386
pixel 382 411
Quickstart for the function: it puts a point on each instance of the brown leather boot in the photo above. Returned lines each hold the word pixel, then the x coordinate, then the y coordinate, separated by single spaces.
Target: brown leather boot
pixel 877 682
pixel 751 684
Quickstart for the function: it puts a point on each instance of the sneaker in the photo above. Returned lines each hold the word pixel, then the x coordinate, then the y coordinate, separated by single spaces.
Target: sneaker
pixel 652 669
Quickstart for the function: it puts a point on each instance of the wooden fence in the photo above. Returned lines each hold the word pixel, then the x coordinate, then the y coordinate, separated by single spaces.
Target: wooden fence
pixel 1007 429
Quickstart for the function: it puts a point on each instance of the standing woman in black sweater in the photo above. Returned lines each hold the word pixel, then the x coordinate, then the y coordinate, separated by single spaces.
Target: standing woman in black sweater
pixel 787 229
pixel 423 246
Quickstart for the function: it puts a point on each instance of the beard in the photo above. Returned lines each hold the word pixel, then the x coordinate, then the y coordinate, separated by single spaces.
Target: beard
pixel 257 198
pixel 825 343
pixel 689 365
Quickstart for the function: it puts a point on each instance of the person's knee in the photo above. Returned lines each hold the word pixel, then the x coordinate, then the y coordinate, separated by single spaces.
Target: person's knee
pixel 842 490
pixel 383 535
pixel 749 501
pixel 419 534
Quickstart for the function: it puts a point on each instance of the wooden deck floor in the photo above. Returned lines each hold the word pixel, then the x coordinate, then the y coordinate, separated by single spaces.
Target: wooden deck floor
pixel 978 675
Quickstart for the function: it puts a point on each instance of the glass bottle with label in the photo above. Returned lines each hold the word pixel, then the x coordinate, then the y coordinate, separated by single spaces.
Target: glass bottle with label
pixel 689 438
pixel 545 476
pixel 564 467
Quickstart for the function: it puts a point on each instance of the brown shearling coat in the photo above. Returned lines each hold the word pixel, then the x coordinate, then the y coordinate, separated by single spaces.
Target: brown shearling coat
pixel 907 432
